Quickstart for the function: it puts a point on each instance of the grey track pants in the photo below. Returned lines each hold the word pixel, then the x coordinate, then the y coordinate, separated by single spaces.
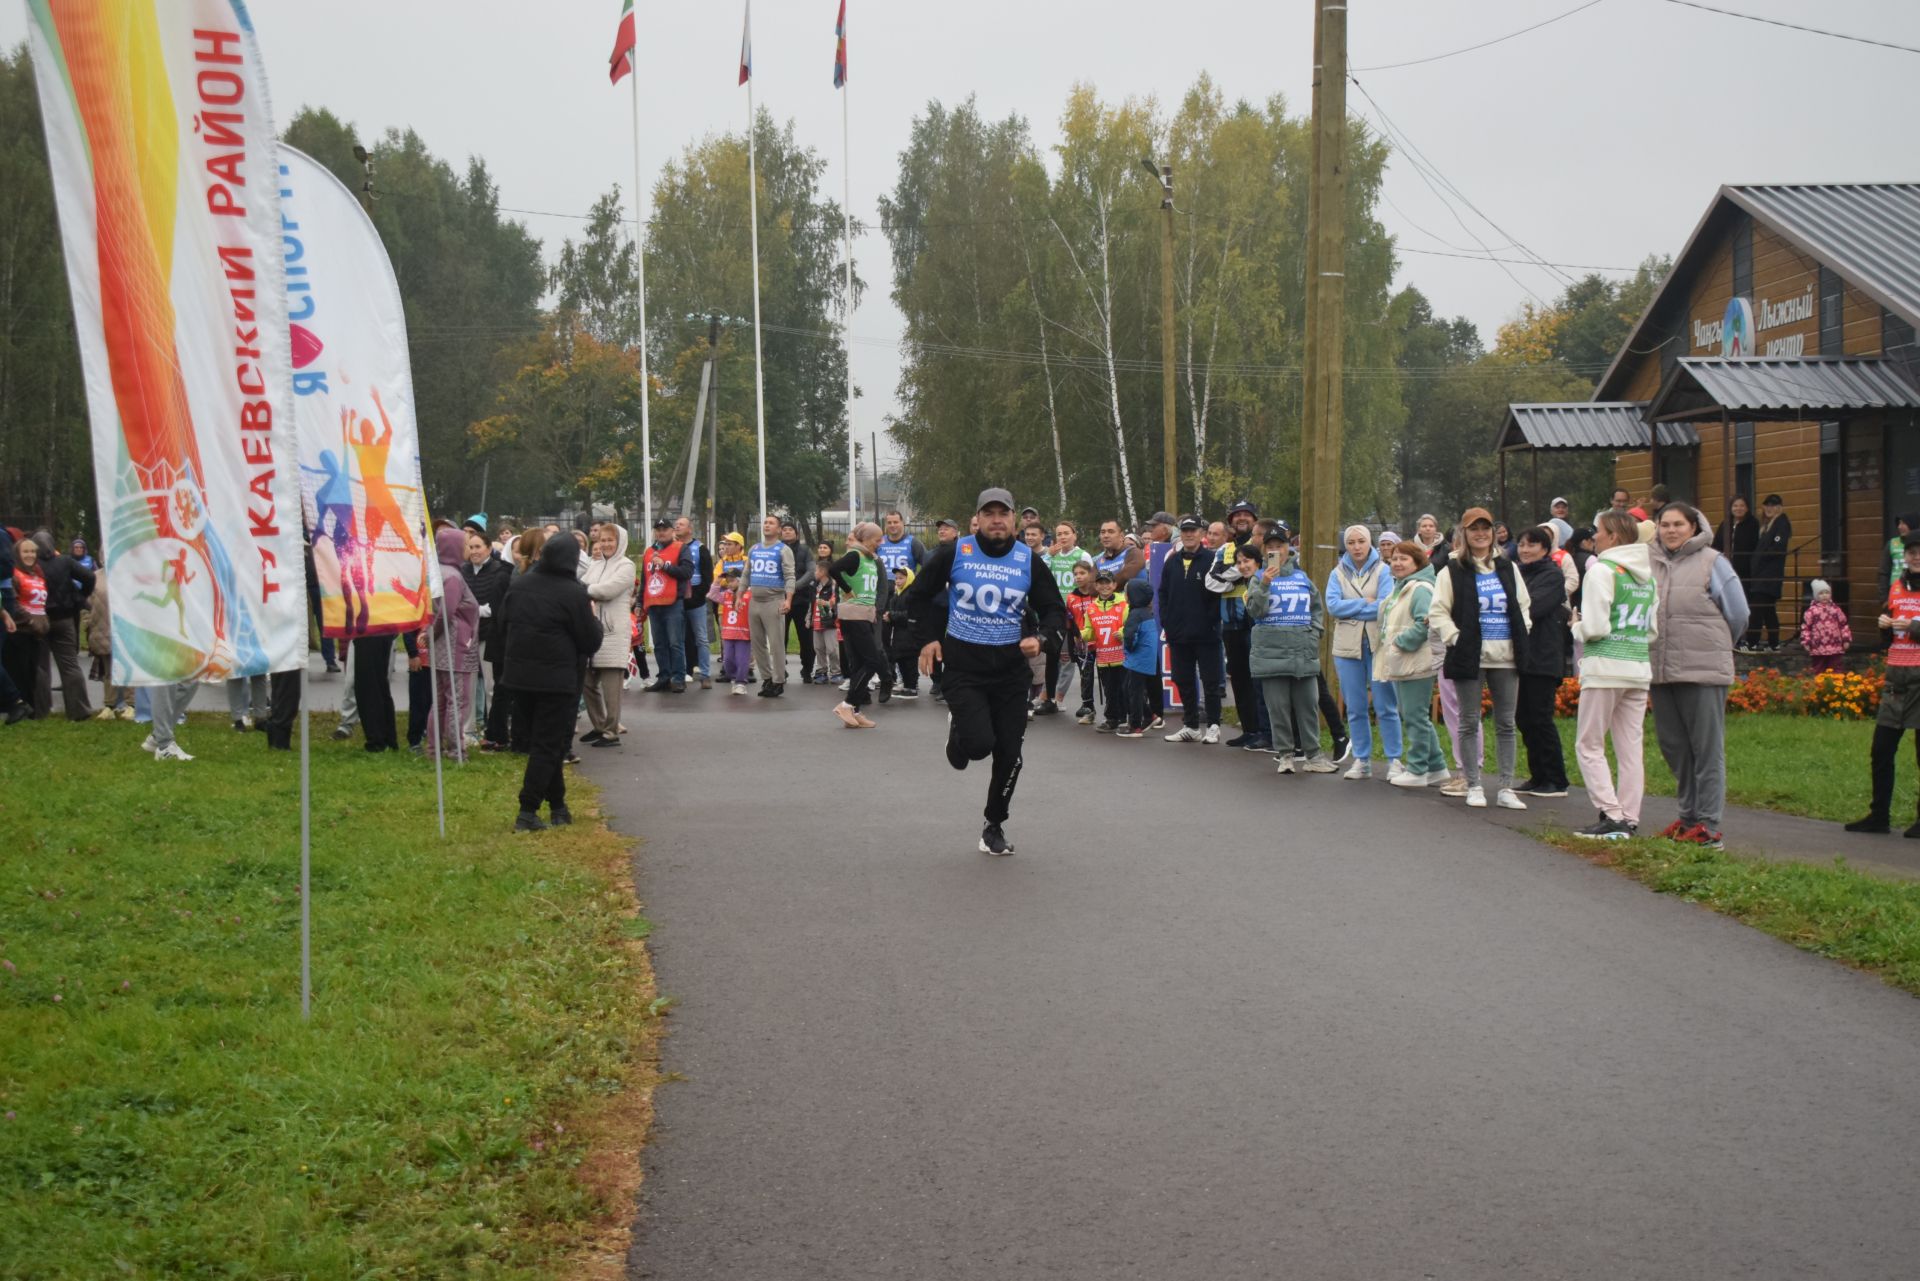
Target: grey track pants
pixel 1690 722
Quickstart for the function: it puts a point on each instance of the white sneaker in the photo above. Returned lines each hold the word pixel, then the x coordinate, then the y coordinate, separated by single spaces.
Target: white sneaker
pixel 126 713
pixel 1286 765
pixel 1186 734
pixel 1212 735
pixel 846 686
pixel 1318 764
pixel 149 745
pixel 1506 800
pixel 1477 798
pixel 1360 769
pixel 1438 778
pixel 1407 778
pixel 104 714
pixel 171 752
pixel 739 689
pixel 1394 768
pixel 1454 786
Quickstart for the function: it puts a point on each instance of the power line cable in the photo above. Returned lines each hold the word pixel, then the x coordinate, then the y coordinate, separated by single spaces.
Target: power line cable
pixel 1484 44
pixel 1420 159
pixel 1794 26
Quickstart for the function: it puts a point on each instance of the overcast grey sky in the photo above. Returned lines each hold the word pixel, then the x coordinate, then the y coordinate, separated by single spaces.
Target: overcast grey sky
pixel 1595 140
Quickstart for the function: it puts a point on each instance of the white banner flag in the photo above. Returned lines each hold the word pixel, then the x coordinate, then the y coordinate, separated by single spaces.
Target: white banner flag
pixel 162 151
pixel 353 410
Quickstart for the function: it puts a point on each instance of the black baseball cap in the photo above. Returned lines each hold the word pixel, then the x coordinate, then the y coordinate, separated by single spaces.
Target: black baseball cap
pixel 661 522
pixel 1242 506
pixel 948 521
pixel 1190 522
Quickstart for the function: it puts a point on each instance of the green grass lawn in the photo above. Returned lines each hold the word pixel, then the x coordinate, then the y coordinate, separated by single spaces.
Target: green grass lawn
pixel 479 1021
pixel 1790 764
pixel 1864 921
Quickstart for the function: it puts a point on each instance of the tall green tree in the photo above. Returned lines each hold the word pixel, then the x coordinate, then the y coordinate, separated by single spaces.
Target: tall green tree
pixel 46 474
pixel 699 264
pixel 471 283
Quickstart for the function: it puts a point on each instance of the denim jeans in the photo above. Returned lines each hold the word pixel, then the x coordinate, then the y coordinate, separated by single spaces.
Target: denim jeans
pixel 669 625
pixel 699 657
pixel 1355 681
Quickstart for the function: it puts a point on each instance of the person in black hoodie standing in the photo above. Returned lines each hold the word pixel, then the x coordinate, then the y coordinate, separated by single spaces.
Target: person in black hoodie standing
pixel 1542 661
pixel 551 631
pixel 487 577
pixel 989 579
pixel 1190 624
pixel 1769 575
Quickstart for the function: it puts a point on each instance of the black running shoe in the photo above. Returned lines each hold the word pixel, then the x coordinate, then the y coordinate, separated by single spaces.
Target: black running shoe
pixel 559 815
pixel 528 821
pixel 994 841
pixel 1871 823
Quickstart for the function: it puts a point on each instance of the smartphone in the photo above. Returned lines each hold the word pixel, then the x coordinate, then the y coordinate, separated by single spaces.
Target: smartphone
pixel 1275 559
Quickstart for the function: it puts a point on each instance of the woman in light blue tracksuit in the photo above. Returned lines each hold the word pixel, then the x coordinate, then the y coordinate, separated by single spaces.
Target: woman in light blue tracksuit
pixel 1354 588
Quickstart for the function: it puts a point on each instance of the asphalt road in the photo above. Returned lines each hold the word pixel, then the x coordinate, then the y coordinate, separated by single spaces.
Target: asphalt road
pixel 1212 1023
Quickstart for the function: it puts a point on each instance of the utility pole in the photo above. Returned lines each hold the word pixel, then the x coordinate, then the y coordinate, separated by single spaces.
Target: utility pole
pixel 1170 462
pixel 1323 401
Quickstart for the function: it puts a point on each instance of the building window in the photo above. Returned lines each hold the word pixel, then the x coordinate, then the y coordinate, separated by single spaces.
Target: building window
pixel 1832 313
pixel 1833 495
pixel 1897 343
pixel 1743 465
pixel 1743 258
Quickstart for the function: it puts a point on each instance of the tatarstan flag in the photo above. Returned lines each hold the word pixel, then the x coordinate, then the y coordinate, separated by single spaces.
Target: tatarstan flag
pixel 622 60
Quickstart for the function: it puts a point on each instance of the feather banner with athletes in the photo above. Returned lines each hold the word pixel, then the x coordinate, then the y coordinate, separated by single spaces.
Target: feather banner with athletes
pixel 353 410
pixel 161 146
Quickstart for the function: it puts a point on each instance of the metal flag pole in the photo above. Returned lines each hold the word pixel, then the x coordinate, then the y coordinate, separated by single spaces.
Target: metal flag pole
pixel 306 856
pixel 753 224
pixel 433 721
pixel 640 288
pixel 846 151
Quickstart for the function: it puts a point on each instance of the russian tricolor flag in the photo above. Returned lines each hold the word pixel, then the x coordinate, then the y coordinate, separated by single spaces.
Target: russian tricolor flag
pixel 840 51
pixel 746 46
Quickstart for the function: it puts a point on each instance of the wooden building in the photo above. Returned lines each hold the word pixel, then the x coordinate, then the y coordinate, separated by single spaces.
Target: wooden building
pixel 1778 356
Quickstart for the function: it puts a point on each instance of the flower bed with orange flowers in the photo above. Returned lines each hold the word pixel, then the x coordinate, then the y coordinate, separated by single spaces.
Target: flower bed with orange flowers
pixel 1840 696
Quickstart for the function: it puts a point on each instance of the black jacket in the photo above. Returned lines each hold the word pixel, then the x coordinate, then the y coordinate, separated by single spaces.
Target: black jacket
pixel 69 583
pixel 1736 540
pixel 1544 652
pixel 1769 560
pixel 1005 662
pixel 550 624
pixel 488 582
pixel 1463 656
pixel 1189 613
pixel 802 561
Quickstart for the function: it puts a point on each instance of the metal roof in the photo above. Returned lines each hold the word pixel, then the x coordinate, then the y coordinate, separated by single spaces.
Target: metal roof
pixel 1764 387
pixel 1587 424
pixel 1868 233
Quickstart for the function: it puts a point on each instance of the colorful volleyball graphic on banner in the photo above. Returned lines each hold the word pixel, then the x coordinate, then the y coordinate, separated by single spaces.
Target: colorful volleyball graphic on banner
pixel 353 410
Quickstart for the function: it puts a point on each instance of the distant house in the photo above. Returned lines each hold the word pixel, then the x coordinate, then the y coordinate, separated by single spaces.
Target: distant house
pixel 1777 357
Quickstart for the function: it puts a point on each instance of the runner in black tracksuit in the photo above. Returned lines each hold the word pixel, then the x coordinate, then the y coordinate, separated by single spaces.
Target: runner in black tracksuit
pixel 989 579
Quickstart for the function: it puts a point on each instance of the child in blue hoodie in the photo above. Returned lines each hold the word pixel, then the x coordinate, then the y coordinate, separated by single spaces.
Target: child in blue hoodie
pixel 1142 661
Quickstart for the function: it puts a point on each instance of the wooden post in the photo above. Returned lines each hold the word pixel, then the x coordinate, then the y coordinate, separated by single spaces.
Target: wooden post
pixel 1323 424
pixel 1170 488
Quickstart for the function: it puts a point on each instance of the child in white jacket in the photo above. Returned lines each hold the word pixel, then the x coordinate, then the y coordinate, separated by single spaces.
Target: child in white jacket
pixel 1616 623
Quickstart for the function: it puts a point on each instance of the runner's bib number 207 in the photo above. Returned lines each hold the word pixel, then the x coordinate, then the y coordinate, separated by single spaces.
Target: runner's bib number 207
pixel 987 594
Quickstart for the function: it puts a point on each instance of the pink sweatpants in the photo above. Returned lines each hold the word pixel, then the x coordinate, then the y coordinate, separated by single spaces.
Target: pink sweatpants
pixel 1623 714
